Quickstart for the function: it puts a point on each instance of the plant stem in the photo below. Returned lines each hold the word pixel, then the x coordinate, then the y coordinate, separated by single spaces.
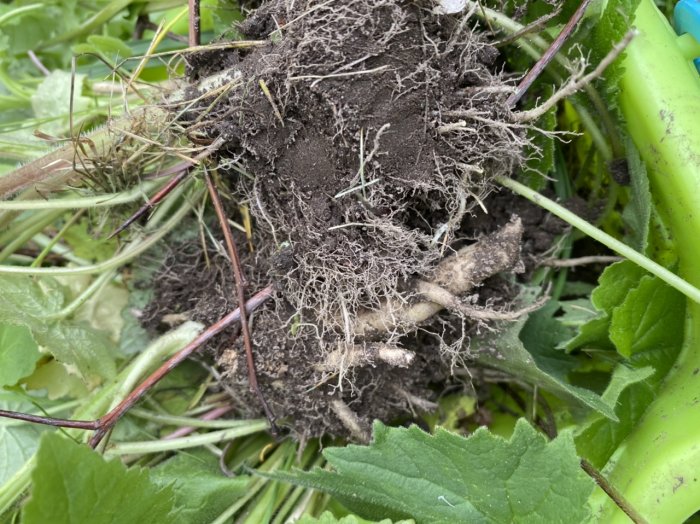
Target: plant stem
pixel 26 234
pixel 131 252
pixel 612 243
pixel 71 308
pixel 110 419
pixel 173 420
pixel 548 55
pixel 247 427
pixel 105 200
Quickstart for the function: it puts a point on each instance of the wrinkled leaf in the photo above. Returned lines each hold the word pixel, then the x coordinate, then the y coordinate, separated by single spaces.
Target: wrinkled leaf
pixel 407 473
pixel 201 491
pixel 73 484
pixel 648 327
pixel 613 286
pixel 637 213
pixel 18 440
pixel 25 301
pixel 18 354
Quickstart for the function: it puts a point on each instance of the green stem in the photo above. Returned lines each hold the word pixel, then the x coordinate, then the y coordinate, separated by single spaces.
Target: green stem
pixel 535 45
pixel 214 437
pixel 277 459
pixel 131 252
pixel 26 235
pixel 52 243
pixel 173 420
pixel 612 243
pixel 106 200
pixel 71 308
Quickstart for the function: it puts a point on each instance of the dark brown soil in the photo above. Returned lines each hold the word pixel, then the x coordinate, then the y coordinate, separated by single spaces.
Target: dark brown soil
pixel 362 137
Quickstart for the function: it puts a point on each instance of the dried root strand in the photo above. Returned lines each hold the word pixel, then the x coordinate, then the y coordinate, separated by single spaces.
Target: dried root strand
pixel 366 355
pixel 350 420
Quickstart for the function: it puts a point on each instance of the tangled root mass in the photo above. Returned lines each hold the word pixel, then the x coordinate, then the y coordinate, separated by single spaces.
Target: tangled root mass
pixel 367 130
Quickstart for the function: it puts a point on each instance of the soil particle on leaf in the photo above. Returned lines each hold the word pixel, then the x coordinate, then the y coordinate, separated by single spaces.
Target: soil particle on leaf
pixel 362 136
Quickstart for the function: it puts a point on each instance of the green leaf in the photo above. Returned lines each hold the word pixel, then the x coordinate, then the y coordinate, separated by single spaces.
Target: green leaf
pixel 328 518
pixel 25 301
pixel 18 354
pixel 407 473
pixel 529 350
pixel 112 48
pixel 85 245
pixel 18 440
pixel 613 287
pixel 58 382
pixel 51 100
pixel 73 484
pixel 648 327
pixel 201 491
pixel 651 317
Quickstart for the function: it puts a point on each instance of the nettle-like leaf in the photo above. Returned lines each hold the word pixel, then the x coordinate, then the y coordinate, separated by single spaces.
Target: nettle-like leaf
pixel 647 328
pixel 483 478
pixel 29 302
pixel 201 491
pixel 637 213
pixel 72 484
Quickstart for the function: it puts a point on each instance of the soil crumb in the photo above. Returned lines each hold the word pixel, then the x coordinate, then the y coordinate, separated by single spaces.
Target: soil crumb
pixel 361 136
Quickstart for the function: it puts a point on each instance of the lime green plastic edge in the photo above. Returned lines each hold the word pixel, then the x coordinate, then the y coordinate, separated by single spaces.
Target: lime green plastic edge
pixel 657 468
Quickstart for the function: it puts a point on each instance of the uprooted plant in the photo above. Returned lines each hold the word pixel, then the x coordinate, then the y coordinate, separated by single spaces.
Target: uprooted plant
pixel 361 137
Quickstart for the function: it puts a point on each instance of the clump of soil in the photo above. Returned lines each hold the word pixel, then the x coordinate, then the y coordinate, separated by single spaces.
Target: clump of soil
pixel 361 136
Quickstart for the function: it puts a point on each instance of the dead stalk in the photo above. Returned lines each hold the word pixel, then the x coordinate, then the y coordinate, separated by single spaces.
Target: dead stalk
pixel 548 55
pixel 575 83
pixel 194 34
pixel 183 168
pixel 240 289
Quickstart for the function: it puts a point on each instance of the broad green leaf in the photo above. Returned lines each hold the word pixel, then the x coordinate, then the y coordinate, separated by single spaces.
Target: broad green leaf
pixel 614 284
pixel 201 491
pixel 25 301
pixel 58 382
pixel 72 484
pixel 652 316
pixel 51 100
pixel 85 245
pixel 328 518
pixel 407 473
pixel 18 354
pixel 529 350
pixel 113 48
pixel 613 287
pixel 648 327
pixel 18 440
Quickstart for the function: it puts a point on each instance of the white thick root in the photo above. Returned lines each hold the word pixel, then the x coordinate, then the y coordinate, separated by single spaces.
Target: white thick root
pixel 454 276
